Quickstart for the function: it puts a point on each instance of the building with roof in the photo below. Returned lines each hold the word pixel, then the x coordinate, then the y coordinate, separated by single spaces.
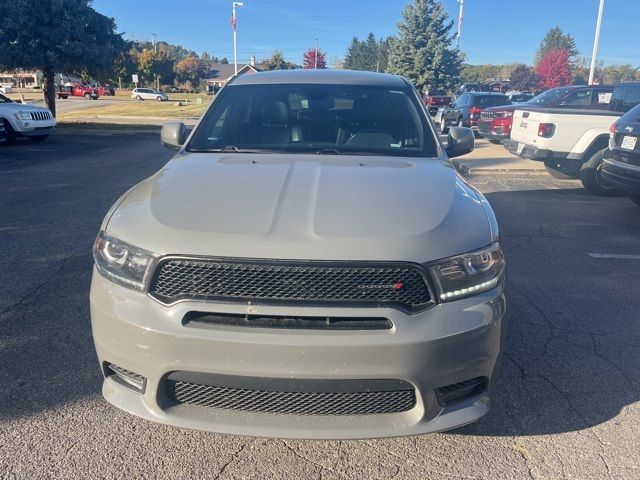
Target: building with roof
pixel 221 73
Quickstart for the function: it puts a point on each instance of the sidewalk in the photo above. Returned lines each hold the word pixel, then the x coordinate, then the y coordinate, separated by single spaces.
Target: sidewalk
pixel 488 157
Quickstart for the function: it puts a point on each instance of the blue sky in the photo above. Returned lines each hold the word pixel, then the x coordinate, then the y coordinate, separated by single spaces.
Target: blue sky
pixel 494 31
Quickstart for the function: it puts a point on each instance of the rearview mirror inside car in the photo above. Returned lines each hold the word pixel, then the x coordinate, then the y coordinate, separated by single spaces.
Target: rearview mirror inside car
pixel 460 141
pixel 173 135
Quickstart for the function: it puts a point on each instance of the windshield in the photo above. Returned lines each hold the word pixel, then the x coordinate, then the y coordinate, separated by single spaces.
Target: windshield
pixel 549 97
pixel 4 99
pixel 307 118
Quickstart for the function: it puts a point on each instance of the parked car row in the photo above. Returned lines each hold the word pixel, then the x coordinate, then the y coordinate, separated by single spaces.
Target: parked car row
pixel 574 140
pixel 20 120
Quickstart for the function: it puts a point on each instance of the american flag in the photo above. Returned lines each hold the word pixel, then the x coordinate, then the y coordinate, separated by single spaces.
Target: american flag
pixel 233 22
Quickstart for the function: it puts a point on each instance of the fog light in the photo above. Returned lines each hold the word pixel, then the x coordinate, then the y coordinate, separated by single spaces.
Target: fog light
pixel 125 377
pixel 461 390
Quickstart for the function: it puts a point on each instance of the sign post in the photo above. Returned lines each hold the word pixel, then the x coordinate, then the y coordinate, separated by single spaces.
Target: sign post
pixel 134 79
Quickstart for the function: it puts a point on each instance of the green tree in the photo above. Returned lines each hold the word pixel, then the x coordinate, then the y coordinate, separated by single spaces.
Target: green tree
pixel 524 79
pixel 479 73
pixel 555 39
pixel 224 60
pixel 152 64
pixel 191 69
pixel 58 36
pixel 353 58
pixel 370 54
pixel 277 62
pixel 423 50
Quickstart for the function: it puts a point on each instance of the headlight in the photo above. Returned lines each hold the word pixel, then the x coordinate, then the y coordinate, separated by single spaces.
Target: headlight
pixel 468 274
pixel 23 115
pixel 121 262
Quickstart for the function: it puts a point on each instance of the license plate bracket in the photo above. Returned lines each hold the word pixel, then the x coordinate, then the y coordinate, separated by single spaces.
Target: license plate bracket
pixel 629 142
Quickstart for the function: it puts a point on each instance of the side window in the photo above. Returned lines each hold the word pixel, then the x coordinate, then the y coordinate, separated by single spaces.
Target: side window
pixel 462 101
pixel 631 99
pixel 601 97
pixel 577 98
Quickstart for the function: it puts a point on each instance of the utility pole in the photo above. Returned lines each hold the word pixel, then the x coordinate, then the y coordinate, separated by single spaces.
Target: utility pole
pixel 460 18
pixel 596 40
pixel 233 24
pixel 315 62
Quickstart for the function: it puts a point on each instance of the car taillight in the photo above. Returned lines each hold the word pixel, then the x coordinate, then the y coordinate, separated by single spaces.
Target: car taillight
pixel 546 130
pixel 612 135
pixel 475 110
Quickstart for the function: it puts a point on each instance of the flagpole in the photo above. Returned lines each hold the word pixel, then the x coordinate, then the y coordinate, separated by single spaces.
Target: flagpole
pixel 234 23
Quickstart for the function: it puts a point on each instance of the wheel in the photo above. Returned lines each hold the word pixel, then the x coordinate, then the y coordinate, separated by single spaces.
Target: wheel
pixel 38 138
pixel 139 98
pixel 443 126
pixel 635 200
pixel 590 177
pixel 87 96
pixel 159 98
pixel 496 142
pixel 11 134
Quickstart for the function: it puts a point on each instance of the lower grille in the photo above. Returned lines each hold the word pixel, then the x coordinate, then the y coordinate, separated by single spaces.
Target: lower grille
pixel 461 391
pixel 288 281
pixel 295 397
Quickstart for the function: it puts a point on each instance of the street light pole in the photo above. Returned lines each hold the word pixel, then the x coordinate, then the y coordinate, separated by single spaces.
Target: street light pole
pixel 233 23
pixel 596 40
pixel 460 18
pixel 315 62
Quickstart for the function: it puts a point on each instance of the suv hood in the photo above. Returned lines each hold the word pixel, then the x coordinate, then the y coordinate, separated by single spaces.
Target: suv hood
pixel 24 107
pixel 303 207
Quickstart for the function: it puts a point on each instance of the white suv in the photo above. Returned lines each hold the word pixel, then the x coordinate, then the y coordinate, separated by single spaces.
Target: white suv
pixel 25 120
pixel 148 94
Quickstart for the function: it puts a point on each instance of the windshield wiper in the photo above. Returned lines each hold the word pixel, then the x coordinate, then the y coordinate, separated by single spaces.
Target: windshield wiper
pixel 328 151
pixel 234 149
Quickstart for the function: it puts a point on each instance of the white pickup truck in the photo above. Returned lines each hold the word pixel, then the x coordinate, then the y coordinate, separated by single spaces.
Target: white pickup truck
pixel 571 142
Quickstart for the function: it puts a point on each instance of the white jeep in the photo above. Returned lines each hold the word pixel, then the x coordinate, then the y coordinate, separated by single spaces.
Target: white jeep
pixel 20 119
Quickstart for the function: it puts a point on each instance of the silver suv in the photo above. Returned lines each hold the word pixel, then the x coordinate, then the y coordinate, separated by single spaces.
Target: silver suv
pixel 309 264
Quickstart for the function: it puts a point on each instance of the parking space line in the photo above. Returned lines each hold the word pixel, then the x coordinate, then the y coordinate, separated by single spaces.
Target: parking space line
pixel 614 255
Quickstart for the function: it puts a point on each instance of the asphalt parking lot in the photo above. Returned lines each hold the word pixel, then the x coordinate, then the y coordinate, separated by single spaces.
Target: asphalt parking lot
pixel 567 403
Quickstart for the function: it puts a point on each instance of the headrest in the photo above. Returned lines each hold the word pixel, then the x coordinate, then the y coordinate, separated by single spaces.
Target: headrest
pixel 275 112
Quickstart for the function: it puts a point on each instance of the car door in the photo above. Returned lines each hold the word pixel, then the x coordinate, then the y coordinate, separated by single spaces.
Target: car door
pixel 453 113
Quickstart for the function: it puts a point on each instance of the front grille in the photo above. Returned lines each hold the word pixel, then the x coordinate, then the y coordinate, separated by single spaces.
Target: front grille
pixel 204 319
pixel 294 397
pixel 40 115
pixel 315 283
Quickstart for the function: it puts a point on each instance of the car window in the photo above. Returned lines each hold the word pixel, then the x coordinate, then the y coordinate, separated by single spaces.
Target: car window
pixel 549 97
pixel 484 101
pixel 624 98
pixel 602 97
pixel 308 118
pixel 632 115
pixel 522 97
pixel 4 99
pixel 577 98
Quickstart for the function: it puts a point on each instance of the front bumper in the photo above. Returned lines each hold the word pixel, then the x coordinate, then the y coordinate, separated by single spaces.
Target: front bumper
pixel 34 127
pixel 447 344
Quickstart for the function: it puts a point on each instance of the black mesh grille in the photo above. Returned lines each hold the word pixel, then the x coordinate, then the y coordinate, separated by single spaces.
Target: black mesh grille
pixel 353 283
pixel 363 402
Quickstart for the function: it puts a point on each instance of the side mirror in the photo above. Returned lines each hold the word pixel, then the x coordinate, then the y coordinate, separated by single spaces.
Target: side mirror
pixel 173 135
pixel 460 141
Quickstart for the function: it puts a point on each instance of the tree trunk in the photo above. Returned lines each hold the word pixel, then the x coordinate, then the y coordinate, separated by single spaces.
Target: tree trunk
pixel 49 89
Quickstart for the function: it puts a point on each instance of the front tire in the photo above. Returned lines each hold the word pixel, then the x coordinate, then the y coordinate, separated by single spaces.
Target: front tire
pixel 11 134
pixel 87 96
pixel 590 177
pixel 159 99
pixel 140 99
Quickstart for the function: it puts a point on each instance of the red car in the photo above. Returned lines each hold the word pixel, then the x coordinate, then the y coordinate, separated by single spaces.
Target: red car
pixel 436 99
pixel 495 122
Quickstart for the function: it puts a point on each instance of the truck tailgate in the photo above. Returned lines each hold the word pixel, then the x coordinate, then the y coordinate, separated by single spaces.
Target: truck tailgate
pixel 573 130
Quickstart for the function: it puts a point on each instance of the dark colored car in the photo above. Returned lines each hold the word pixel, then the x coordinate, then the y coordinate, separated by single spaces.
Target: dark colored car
pixel 621 165
pixel 465 111
pixel 472 87
pixel 495 123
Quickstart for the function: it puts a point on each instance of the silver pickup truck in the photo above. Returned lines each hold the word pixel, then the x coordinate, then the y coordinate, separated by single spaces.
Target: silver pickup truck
pixel 571 142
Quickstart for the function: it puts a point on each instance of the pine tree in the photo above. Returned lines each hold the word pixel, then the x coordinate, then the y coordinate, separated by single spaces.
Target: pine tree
pixel 422 52
pixel 353 58
pixel 556 39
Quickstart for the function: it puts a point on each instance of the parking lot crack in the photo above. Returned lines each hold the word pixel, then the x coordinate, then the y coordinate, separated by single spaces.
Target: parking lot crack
pixel 309 460
pixel 233 458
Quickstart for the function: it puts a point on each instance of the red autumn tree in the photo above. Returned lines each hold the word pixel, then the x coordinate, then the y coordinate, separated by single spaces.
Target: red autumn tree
pixel 309 59
pixel 553 69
